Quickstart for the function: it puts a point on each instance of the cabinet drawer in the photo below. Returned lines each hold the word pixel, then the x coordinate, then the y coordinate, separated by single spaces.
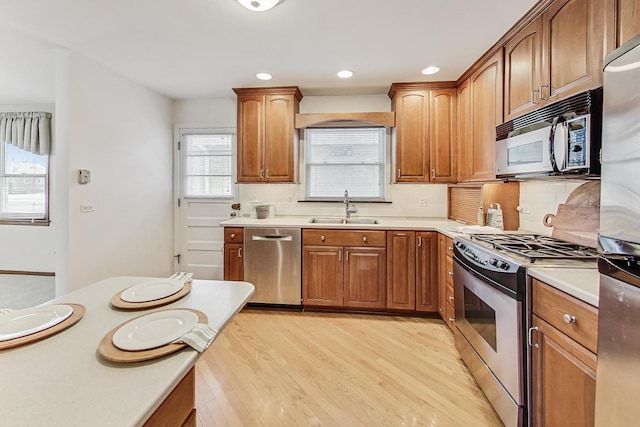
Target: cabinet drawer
pixel 449 249
pixel 362 238
pixel 449 268
pixel 449 294
pixel 450 317
pixel 571 316
pixel 233 234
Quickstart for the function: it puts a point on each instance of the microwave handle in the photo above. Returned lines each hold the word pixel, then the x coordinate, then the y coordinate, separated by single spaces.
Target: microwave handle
pixel 552 148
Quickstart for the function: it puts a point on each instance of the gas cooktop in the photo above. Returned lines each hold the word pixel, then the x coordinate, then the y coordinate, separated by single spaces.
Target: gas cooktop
pixel 535 247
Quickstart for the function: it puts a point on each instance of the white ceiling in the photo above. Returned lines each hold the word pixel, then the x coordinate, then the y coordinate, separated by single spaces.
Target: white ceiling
pixel 203 48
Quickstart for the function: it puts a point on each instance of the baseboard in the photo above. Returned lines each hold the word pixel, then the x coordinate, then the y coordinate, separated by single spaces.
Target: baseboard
pixel 27 273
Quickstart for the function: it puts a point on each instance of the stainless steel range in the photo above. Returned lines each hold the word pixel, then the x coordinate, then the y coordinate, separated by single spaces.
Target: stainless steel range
pixel 492 312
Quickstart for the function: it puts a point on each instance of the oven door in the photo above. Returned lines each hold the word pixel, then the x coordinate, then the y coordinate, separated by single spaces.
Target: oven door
pixel 491 322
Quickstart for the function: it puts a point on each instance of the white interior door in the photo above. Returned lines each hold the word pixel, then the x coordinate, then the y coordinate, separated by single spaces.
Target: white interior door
pixel 205 183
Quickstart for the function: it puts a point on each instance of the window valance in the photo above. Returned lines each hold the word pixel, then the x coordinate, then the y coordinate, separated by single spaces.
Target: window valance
pixel 30 131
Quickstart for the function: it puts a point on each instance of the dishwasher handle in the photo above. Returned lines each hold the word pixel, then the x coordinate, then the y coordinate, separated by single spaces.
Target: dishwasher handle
pixel 272 238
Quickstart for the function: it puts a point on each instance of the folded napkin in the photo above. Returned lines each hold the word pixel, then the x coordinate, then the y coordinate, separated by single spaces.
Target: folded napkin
pixel 182 276
pixel 5 310
pixel 200 337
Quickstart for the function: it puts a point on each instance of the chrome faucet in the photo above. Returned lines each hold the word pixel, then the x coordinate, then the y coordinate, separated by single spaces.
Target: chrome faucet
pixel 349 208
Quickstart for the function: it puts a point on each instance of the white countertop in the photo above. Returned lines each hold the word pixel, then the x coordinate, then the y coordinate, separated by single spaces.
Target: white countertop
pixel 63 381
pixel 441 225
pixel 582 283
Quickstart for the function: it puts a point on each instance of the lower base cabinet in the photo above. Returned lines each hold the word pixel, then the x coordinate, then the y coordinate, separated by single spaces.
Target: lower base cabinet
pixel 337 273
pixel 233 262
pixel 178 408
pixel 445 280
pixel 563 353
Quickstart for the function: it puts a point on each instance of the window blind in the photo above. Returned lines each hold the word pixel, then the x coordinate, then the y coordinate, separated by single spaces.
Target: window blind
pixel 339 159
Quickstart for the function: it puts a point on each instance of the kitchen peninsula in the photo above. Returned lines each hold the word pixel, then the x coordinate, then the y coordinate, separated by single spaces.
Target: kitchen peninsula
pixel 63 381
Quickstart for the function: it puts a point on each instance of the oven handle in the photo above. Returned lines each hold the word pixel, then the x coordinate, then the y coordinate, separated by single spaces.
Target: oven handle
pixel 530 337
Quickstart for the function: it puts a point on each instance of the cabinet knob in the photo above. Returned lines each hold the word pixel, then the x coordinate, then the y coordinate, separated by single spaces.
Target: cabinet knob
pixel 451 298
pixel 450 248
pixel 569 318
pixel 233 235
pixel 322 238
pixel 451 319
pixel 364 239
pixel 450 273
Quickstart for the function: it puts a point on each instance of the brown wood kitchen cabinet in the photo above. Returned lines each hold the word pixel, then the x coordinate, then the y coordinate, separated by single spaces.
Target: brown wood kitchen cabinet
pixel 425 131
pixel 343 268
pixel 267 138
pixel 427 271
pixel 557 55
pixel 445 280
pixel 623 20
pixel 479 119
pixel 564 347
pixel 233 247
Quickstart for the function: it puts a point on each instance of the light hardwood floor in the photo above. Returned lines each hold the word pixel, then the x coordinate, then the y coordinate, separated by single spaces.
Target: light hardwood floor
pixel 276 368
pixel 20 291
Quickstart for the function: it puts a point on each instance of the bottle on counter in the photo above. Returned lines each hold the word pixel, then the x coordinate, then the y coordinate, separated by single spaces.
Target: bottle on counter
pixel 480 220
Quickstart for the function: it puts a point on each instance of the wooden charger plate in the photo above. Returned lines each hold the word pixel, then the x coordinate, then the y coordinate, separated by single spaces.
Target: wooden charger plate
pixel 118 302
pixel 78 313
pixel 114 354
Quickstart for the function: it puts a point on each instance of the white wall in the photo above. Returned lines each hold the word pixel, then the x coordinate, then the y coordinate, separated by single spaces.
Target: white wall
pixel 405 198
pixel 542 197
pixel 26 247
pixel 122 133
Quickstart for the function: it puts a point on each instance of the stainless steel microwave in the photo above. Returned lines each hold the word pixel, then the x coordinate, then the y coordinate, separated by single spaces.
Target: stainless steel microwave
pixel 559 147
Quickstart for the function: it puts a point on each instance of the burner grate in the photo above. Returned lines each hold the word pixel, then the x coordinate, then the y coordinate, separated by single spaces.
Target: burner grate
pixel 534 247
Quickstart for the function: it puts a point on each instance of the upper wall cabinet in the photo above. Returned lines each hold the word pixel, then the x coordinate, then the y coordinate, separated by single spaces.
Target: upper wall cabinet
pixel 267 138
pixel 623 16
pixel 558 55
pixel 485 113
pixel 425 132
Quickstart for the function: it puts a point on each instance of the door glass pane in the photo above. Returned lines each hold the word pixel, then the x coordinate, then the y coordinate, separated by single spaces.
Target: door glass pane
pixel 481 317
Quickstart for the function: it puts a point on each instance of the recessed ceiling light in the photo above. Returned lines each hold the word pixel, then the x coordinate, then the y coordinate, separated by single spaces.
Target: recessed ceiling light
pixel 264 76
pixel 345 74
pixel 259 5
pixel 430 70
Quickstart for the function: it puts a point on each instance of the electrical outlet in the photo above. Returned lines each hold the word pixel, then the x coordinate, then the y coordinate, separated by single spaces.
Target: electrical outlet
pixel 86 207
pixel 424 202
pixel 287 200
pixel 524 209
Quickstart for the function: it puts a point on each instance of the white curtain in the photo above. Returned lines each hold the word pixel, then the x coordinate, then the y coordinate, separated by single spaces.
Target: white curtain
pixel 30 131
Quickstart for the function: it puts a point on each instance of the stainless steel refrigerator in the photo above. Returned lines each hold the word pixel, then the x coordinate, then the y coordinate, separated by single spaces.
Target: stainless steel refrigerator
pixel 618 370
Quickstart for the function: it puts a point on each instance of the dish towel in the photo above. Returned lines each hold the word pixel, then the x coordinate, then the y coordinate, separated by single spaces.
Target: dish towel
pixel 182 276
pixel 200 337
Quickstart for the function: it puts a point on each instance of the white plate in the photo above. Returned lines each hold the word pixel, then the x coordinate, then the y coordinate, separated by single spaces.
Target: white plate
pixel 20 323
pixel 154 330
pixel 152 290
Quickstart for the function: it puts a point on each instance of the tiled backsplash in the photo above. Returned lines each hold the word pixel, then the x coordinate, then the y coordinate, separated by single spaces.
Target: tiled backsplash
pixel 407 200
pixel 538 198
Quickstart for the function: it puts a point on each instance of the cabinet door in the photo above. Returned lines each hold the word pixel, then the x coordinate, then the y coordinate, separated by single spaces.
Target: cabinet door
pixel 411 135
pixel 401 270
pixel 627 20
pixel 564 379
pixel 442 276
pixel 250 138
pixel 279 138
pixel 233 262
pixel 365 277
pixel 572 47
pixel 442 135
pixel 486 113
pixel 427 272
pixel 522 68
pixel 322 273
pixel 464 131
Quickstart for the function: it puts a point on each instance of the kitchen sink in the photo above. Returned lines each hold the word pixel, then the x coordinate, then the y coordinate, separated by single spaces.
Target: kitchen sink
pixel 361 221
pixel 344 221
pixel 327 220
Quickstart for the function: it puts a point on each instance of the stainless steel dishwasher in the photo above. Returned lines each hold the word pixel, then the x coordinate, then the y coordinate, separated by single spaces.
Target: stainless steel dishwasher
pixel 272 262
